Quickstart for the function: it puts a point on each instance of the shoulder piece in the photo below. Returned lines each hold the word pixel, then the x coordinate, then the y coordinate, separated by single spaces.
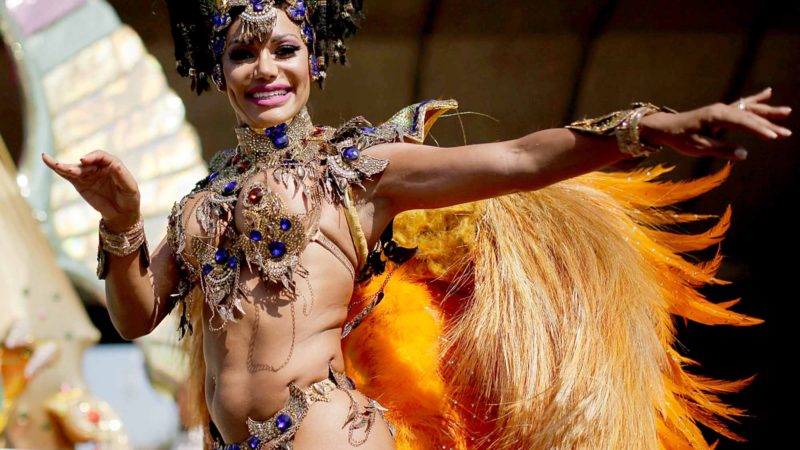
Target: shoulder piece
pixel 414 121
pixel 346 162
pixel 410 124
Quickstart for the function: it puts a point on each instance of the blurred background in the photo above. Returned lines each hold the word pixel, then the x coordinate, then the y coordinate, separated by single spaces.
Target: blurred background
pixel 532 65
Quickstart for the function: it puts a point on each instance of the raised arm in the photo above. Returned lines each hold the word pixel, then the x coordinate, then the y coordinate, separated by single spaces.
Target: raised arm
pixel 137 293
pixel 420 176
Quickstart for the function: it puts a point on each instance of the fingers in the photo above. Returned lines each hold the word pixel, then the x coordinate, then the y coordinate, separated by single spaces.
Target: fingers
pixel 97 157
pixel 721 115
pixel 70 172
pixel 65 170
pixel 776 129
pixel 759 97
pixel 754 104
pixel 769 111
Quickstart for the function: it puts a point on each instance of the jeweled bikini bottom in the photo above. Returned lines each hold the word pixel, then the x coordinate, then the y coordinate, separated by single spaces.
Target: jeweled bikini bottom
pixel 277 432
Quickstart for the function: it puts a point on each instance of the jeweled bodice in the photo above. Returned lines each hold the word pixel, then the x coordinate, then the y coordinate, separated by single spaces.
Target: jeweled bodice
pixel 261 205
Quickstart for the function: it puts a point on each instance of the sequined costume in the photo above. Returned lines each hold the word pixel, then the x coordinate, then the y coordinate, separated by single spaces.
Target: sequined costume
pixel 534 320
pixel 325 163
pixel 448 306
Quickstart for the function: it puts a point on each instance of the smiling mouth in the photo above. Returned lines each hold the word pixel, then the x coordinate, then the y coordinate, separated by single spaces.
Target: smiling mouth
pixel 271 94
pixel 269 98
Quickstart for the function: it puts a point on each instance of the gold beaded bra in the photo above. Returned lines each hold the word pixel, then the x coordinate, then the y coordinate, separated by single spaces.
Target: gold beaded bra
pixel 321 162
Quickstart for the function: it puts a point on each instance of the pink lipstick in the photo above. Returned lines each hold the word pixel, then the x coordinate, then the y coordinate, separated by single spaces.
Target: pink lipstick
pixel 269 95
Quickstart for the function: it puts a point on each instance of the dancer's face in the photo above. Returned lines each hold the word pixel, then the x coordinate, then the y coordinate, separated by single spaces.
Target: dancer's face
pixel 267 83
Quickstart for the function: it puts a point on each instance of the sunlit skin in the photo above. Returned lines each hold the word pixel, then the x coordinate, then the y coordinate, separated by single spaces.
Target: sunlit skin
pixel 234 393
pixel 418 176
pixel 280 62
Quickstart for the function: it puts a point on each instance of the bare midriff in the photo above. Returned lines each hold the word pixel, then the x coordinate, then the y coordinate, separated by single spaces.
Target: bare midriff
pixel 238 383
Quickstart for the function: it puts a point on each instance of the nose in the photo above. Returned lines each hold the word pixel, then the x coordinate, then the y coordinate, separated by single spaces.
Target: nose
pixel 265 66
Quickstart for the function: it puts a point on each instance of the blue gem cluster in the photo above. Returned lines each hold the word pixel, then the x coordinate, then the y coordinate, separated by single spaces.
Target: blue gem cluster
pixel 283 422
pixel 277 135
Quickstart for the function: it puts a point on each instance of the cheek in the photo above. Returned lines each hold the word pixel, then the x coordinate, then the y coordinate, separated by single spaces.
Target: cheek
pixel 302 72
pixel 236 76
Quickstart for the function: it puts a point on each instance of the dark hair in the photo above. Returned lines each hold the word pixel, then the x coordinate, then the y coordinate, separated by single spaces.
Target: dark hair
pixel 193 30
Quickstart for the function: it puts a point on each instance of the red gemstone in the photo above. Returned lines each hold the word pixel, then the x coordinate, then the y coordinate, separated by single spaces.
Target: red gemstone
pixel 255 195
pixel 93 416
pixel 318 131
pixel 243 166
pixel 235 159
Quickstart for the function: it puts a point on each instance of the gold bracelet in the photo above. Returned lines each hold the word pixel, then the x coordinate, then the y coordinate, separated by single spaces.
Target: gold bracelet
pixel 121 244
pixel 124 243
pixel 625 126
pixel 628 134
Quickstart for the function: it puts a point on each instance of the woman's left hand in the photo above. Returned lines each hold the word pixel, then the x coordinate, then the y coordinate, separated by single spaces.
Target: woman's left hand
pixel 695 132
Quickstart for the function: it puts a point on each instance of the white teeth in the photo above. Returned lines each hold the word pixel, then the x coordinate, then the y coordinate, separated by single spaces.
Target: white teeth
pixel 261 95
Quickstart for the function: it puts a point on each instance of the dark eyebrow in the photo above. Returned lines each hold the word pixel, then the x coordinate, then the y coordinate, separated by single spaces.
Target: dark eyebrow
pixel 278 37
pixel 273 38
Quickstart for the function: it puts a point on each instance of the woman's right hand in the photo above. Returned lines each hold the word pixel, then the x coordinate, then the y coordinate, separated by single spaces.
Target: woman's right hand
pixel 106 184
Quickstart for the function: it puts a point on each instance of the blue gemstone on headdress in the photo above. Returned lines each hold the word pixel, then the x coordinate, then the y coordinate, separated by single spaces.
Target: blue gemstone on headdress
pixel 351 153
pixel 220 21
pixel 282 127
pixel 233 447
pixel 286 224
pixel 219 45
pixel 257 6
pixel 253 442
pixel 221 256
pixel 368 129
pixel 298 11
pixel 288 162
pixel 283 422
pixel 256 236
pixel 212 176
pixel 277 249
pixel 280 140
pixel 207 269
pixel 232 262
pixel 229 188
pixel 308 34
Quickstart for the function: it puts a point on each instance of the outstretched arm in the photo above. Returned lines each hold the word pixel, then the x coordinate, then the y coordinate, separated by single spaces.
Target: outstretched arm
pixel 138 297
pixel 421 176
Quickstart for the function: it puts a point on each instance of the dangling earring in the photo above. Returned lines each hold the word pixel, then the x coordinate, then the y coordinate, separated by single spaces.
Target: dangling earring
pixel 218 44
pixel 218 78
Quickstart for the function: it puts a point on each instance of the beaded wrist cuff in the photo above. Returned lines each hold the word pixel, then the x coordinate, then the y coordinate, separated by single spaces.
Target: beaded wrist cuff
pixel 625 126
pixel 628 134
pixel 121 244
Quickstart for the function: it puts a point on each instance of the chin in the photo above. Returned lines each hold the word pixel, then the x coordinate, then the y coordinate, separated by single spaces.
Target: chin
pixel 272 116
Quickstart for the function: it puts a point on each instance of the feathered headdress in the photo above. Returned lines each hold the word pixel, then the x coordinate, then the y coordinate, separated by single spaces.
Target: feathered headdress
pixel 199 29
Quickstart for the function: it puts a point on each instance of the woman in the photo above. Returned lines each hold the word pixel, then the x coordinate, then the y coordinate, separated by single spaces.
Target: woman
pixel 273 304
